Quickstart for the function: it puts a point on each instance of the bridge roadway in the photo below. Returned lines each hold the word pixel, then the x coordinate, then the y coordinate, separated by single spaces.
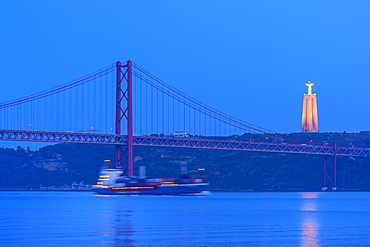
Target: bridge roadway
pixel 70 137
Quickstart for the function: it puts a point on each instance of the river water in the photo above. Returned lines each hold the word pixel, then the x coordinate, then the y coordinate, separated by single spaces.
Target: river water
pixel 219 219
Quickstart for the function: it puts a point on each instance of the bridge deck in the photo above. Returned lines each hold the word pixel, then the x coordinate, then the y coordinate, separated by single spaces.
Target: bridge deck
pixel 69 137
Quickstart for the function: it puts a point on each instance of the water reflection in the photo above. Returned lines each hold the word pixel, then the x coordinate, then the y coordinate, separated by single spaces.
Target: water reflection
pixel 309 202
pixel 123 228
pixel 309 224
pixel 117 228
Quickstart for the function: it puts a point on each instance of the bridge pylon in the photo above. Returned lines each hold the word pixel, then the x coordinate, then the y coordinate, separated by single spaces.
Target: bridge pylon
pixel 124 74
pixel 330 171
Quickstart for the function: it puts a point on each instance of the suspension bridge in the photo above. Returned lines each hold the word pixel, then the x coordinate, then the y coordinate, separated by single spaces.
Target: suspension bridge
pixel 124 105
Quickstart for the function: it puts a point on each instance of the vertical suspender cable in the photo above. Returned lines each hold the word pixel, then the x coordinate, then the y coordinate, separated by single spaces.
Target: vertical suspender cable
pixel 184 120
pixel 141 106
pixel 162 113
pixel 151 113
pixel 157 113
pixel 106 127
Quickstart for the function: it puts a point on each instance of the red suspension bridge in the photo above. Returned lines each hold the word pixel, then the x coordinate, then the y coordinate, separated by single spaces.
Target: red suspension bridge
pixel 124 105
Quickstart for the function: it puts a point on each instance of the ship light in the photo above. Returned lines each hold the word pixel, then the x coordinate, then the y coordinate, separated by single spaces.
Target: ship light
pixel 100 186
pixel 201 169
pixel 131 188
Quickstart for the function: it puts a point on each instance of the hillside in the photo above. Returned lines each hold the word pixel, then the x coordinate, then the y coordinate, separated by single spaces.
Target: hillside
pixel 227 170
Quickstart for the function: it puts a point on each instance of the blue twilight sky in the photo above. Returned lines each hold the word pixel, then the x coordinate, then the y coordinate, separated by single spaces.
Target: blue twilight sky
pixel 249 59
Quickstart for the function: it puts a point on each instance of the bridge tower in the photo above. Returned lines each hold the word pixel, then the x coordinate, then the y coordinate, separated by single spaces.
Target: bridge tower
pixel 310 121
pixel 124 74
pixel 330 171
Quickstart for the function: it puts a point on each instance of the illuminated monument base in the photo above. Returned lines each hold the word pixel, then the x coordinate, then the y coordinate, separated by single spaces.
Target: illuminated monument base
pixel 310 121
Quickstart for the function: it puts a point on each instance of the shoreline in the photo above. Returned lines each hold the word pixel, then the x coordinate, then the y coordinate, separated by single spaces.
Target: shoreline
pixel 85 190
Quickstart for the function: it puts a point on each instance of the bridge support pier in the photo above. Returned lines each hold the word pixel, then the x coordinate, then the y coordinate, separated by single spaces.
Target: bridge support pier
pixel 330 171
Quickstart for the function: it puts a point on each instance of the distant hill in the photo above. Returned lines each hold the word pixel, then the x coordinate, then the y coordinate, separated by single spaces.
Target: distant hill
pixel 227 170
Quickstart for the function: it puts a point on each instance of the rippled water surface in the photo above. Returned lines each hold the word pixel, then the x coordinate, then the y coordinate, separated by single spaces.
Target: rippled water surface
pixel 219 219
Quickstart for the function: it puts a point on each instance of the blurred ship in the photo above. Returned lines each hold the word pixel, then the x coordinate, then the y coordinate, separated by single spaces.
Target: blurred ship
pixel 113 182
